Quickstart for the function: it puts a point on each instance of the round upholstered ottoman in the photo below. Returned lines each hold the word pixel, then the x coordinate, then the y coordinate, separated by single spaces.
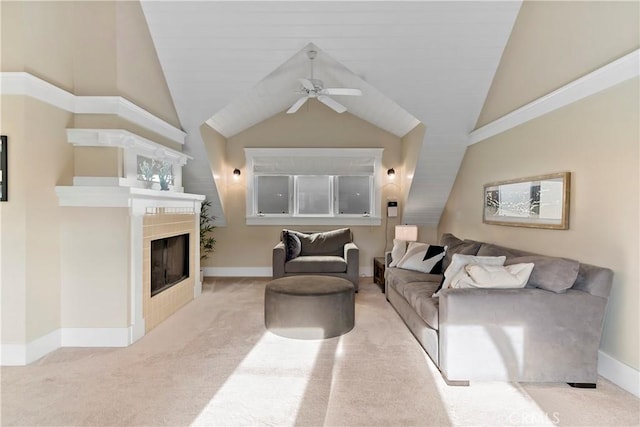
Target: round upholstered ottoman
pixel 309 307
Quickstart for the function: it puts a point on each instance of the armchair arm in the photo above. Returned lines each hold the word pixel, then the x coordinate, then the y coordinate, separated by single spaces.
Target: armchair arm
pixel 352 257
pixel 520 335
pixel 278 260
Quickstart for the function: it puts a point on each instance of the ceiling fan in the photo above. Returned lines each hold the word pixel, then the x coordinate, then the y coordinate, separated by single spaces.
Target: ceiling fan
pixel 314 88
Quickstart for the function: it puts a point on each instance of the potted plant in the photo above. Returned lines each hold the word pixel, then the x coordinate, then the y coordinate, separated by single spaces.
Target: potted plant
pixel 207 241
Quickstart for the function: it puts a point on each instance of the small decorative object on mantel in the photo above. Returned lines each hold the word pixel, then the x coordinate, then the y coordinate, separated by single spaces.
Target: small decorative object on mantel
pixel 3 169
pixel 539 201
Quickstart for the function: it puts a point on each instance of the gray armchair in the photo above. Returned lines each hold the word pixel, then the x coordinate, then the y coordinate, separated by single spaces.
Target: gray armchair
pixel 329 253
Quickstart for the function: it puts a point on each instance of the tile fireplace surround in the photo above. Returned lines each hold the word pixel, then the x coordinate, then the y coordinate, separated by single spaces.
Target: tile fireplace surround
pixel 106 290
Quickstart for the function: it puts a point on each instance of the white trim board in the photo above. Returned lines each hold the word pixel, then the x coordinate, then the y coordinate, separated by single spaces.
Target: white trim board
pixel 23 83
pixel 618 71
pixel 24 354
pixel 622 375
pixel 365 271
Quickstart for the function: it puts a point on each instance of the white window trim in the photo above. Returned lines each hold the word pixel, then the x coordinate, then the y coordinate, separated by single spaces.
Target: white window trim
pixel 374 217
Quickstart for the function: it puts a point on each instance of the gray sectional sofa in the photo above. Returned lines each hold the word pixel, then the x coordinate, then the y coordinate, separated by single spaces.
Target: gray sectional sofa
pixel 548 331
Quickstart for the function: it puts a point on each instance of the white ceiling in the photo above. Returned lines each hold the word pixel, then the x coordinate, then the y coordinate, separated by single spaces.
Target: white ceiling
pixel 236 64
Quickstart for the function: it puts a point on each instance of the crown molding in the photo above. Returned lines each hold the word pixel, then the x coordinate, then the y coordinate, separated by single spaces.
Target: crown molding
pixel 618 71
pixel 127 140
pixel 23 83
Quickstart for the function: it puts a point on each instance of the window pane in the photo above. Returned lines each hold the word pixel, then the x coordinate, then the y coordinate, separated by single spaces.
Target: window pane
pixel 314 194
pixel 273 194
pixel 353 195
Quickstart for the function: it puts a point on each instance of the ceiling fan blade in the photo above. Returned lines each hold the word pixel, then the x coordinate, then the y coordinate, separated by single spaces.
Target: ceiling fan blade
pixel 296 106
pixel 341 91
pixel 334 105
pixel 306 83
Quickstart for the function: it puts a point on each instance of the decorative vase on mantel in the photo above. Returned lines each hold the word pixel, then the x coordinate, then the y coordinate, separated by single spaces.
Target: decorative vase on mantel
pixel 164 184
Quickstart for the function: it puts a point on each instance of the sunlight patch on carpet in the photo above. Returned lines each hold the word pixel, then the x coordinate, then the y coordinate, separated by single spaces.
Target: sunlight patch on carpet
pixel 267 387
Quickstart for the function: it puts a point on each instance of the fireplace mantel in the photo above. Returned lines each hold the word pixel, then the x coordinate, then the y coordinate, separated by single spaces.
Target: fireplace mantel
pixel 139 203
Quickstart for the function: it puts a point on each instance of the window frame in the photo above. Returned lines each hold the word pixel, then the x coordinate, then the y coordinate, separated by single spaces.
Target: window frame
pixel 334 217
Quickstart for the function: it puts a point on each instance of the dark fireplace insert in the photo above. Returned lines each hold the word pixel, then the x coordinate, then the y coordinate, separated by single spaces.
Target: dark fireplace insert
pixel 169 262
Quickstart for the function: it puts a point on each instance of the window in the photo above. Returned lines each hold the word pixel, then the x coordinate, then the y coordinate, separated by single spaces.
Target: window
pixel 354 195
pixel 313 186
pixel 273 194
pixel 313 195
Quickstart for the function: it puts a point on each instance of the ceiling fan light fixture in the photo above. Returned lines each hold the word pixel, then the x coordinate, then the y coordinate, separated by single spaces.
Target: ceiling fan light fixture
pixel 314 88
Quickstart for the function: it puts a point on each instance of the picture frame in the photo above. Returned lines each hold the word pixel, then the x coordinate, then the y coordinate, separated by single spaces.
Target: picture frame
pixel 3 169
pixel 539 201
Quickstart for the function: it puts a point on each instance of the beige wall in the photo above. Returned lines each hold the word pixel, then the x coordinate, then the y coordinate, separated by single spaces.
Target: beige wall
pixel 39 159
pixel 87 48
pixel 596 139
pixel 95 258
pixel 77 46
pixel 239 245
pixel 556 42
pixel 216 146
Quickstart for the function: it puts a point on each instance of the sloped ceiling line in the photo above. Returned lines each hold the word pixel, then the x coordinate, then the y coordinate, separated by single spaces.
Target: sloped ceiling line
pixel 434 59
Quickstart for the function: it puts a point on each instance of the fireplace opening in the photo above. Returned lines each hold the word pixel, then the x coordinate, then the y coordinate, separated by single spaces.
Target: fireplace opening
pixel 169 262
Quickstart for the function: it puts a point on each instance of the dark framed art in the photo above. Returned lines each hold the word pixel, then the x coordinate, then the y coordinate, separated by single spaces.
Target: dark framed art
pixel 3 169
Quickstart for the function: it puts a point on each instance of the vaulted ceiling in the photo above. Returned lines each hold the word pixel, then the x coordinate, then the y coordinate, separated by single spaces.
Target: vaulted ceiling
pixel 235 64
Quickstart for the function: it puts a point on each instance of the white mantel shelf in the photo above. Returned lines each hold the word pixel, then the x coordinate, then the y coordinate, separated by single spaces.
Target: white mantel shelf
pixel 115 197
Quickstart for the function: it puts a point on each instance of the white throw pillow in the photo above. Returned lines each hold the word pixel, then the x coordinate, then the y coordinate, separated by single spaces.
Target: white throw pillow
pixel 488 276
pixel 398 251
pixel 414 258
pixel 458 262
pixel 510 276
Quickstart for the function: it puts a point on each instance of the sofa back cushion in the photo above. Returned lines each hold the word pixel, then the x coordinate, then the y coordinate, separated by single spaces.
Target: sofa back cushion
pixel 550 273
pixel 457 246
pixel 323 243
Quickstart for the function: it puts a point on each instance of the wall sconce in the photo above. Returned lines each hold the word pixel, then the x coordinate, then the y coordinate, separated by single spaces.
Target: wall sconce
pixel 408 233
pixel 236 174
pixel 391 173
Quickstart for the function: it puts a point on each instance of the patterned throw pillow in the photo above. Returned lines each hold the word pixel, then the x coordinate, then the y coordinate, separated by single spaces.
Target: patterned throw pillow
pixel 422 257
pixel 292 245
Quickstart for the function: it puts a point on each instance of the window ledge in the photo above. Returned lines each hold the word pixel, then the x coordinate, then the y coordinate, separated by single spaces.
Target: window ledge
pixel 292 220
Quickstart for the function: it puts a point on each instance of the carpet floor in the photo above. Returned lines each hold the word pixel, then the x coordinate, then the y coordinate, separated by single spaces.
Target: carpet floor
pixel 213 363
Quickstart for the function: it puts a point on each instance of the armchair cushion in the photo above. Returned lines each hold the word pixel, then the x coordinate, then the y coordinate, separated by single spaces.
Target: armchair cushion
pixel 316 264
pixel 324 243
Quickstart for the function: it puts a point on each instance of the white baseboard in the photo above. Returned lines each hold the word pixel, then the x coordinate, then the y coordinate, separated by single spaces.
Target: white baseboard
pixel 622 375
pixel 23 354
pixel 95 337
pixel 366 271
pixel 238 271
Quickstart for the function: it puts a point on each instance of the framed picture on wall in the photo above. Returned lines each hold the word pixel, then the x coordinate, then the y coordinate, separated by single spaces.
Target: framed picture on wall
pixel 538 201
pixel 3 169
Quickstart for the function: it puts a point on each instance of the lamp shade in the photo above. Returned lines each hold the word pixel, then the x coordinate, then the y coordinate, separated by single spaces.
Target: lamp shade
pixel 408 233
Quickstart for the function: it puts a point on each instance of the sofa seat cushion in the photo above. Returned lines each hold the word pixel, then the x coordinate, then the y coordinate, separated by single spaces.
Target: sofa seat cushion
pixel 419 297
pixel 400 275
pixel 316 264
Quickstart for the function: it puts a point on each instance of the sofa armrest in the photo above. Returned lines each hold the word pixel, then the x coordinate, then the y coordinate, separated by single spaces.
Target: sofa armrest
pixel 520 335
pixel 278 260
pixel 352 257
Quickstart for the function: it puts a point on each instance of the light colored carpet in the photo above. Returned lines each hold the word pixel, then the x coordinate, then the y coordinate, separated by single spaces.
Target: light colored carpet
pixel 213 363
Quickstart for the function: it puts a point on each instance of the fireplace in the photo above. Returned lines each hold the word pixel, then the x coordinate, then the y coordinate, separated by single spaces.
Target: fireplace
pixel 169 262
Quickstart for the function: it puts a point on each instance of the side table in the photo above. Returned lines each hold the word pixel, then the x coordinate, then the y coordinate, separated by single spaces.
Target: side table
pixel 378 271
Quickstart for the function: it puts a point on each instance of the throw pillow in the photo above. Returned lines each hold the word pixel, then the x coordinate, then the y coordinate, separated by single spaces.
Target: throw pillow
pixel 550 273
pixel 457 246
pixel 419 257
pixel 398 251
pixel 489 276
pixel 458 261
pixel 292 245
